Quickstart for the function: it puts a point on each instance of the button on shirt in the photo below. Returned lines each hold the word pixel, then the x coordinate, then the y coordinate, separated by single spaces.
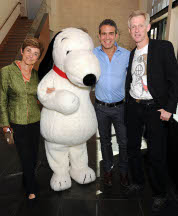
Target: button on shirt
pixel 111 85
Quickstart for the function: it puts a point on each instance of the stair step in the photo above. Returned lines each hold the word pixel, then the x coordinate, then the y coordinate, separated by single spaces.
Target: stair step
pixel 15 38
pixel 20 34
pixel 6 56
pixel 9 53
pixel 13 44
pixel 11 47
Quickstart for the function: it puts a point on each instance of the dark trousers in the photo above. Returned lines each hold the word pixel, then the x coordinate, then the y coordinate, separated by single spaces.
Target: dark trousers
pixel 107 116
pixel 138 117
pixel 26 138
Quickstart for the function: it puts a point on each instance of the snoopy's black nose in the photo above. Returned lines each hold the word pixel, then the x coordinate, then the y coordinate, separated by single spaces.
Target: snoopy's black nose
pixel 89 80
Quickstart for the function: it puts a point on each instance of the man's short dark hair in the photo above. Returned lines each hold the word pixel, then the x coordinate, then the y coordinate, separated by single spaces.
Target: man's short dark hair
pixel 108 22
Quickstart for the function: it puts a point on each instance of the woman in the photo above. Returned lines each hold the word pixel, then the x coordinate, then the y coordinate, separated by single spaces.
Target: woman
pixel 20 111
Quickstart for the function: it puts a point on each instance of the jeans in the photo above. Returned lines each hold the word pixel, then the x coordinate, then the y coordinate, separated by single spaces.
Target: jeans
pixel 107 116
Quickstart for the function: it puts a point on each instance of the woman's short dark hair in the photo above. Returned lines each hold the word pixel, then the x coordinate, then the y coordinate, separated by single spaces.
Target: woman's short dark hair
pixel 33 42
pixel 108 22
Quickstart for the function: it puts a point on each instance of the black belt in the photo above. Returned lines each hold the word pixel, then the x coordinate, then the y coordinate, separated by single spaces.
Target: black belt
pixel 108 104
pixel 145 102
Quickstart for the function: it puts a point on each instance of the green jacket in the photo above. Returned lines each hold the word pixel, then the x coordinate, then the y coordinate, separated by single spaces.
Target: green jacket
pixel 18 100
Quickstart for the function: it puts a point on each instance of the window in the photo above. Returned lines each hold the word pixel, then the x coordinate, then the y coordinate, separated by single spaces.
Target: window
pixel 158 30
pixel 158 5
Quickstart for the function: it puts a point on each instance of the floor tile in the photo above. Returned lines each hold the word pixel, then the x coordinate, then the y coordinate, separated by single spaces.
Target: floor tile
pixel 11 186
pixel 45 207
pixel 10 206
pixel 78 207
pixel 170 210
pixel 119 208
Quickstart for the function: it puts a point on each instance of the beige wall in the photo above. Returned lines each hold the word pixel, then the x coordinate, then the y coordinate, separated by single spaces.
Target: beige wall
pixel 6 7
pixel 44 37
pixel 173 32
pixel 89 14
pixel 143 4
pixel 23 8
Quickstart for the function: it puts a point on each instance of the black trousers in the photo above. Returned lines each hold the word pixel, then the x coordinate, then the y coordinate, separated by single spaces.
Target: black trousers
pixel 107 116
pixel 26 138
pixel 138 116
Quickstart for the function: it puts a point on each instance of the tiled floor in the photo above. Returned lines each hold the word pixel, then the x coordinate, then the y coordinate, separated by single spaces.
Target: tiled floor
pixel 79 200
pixel 112 201
pixel 115 201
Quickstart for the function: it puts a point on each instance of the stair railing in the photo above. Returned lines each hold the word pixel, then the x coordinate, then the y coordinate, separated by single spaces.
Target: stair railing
pixel 18 3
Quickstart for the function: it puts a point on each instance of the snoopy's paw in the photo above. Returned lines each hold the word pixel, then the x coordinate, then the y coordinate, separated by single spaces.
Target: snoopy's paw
pixel 83 176
pixel 60 182
pixel 67 102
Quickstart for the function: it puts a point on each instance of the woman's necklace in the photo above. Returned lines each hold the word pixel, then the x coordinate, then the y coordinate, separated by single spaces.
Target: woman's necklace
pixel 25 78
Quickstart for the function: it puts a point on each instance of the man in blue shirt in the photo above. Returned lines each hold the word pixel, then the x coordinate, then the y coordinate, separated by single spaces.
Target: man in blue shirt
pixel 109 103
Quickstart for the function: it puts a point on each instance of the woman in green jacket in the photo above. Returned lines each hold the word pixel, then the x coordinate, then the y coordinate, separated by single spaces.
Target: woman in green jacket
pixel 19 108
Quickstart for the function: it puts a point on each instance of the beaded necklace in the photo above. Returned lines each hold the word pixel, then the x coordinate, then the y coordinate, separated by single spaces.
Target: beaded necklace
pixel 19 65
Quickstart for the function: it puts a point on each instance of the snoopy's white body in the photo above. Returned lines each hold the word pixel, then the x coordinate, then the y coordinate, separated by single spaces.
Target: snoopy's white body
pixel 68 118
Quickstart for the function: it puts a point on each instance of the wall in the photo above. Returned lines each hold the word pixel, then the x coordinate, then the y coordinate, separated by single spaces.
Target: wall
pixel 23 8
pixel 32 7
pixel 173 32
pixel 89 14
pixel 143 5
pixel 44 36
pixel 5 9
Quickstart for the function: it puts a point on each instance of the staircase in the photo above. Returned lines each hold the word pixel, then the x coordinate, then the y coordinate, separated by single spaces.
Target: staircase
pixel 13 41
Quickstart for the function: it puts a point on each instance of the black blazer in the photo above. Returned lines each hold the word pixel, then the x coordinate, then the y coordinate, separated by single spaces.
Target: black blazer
pixel 162 74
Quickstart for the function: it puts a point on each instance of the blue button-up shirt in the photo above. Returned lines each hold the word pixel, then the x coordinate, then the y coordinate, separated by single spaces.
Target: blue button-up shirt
pixel 111 85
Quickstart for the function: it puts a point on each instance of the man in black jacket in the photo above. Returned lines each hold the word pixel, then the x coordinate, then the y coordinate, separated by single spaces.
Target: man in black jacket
pixel 151 99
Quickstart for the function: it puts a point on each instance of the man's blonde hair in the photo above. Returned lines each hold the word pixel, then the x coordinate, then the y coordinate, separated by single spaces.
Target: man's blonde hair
pixel 139 13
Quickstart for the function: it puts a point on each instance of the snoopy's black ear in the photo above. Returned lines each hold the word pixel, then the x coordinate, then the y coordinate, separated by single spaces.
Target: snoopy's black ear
pixel 47 62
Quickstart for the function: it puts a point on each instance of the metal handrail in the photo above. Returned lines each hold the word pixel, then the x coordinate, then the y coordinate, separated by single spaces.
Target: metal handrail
pixel 9 15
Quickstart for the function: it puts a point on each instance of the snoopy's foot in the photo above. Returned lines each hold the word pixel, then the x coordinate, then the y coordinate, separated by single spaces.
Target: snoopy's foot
pixel 60 182
pixel 83 176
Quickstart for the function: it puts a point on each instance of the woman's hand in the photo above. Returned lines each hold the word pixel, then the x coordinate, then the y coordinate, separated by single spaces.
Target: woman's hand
pixel 5 128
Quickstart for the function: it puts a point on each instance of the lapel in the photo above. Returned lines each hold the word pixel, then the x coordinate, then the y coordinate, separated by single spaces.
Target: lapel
pixel 149 57
pixel 131 58
pixel 130 65
pixel 17 71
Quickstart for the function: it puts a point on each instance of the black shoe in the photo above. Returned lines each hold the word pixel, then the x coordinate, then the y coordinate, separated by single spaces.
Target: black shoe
pixel 134 190
pixel 108 179
pixel 124 180
pixel 159 203
pixel 176 195
pixel 31 203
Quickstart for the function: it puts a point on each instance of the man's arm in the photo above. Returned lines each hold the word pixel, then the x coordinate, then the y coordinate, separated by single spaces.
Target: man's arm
pixel 171 68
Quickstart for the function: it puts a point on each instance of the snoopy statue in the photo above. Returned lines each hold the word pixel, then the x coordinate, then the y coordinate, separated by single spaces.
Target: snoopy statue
pixel 68 118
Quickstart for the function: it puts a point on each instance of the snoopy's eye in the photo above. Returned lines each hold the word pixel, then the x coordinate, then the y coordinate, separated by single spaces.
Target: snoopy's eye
pixel 68 52
pixel 63 39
